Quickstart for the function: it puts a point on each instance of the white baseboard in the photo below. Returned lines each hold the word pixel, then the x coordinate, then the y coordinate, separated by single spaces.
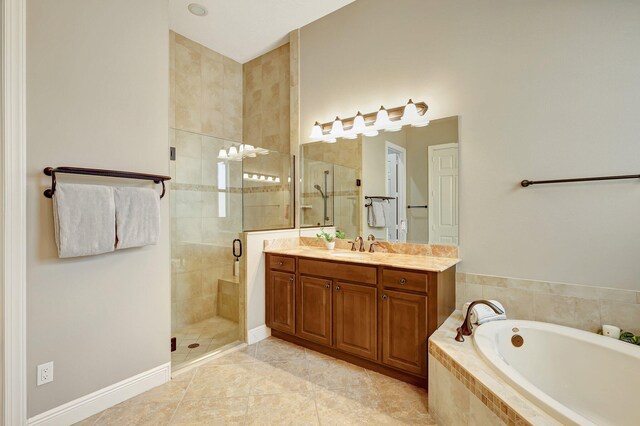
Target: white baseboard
pixel 88 405
pixel 259 333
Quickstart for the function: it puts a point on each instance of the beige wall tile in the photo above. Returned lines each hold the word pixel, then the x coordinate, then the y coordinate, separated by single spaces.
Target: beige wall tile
pixel 623 315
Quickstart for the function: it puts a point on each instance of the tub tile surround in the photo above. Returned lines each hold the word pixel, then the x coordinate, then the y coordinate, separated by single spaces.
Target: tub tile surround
pixel 572 305
pixel 465 390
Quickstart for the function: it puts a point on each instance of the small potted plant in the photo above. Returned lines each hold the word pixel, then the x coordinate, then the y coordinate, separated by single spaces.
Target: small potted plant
pixel 330 240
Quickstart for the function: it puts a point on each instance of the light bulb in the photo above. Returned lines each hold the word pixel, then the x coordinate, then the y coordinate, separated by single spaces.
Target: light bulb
pixel 370 132
pixel 245 175
pixel 222 154
pixel 382 119
pixel 233 151
pixel 278 179
pixel 337 130
pixel 270 179
pixel 262 177
pixel 316 132
pixel 329 140
pixel 358 124
pixel 410 114
pixel 393 127
pixel 254 177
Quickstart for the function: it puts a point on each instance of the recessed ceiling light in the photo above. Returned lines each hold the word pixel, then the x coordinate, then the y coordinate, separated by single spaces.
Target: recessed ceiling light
pixel 198 9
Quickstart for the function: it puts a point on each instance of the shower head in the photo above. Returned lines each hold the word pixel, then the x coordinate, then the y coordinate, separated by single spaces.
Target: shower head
pixel 319 190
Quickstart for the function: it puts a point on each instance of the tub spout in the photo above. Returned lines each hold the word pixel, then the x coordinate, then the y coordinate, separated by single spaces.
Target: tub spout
pixel 465 328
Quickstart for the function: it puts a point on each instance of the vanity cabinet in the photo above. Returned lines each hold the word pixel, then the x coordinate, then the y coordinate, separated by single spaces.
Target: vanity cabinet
pixel 313 307
pixel 281 296
pixel 404 331
pixel 355 319
pixel 375 316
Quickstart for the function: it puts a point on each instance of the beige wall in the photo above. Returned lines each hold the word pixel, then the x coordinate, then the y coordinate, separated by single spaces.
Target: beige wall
pixel 266 100
pixel 97 97
pixel 543 89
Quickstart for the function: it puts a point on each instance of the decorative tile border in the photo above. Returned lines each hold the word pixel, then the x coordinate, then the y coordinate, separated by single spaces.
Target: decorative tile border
pixel 496 404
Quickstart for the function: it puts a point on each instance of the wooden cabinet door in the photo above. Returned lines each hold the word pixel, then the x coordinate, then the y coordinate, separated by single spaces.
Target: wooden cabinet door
pixel 404 331
pixel 281 305
pixel 355 319
pixel 314 310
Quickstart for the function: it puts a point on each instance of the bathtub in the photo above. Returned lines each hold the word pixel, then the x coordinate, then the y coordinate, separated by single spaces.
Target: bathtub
pixel 577 377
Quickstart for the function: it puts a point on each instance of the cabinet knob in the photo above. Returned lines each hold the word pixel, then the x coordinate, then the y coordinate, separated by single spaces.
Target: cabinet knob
pixel 385 297
pixel 291 279
pixel 403 281
pixel 280 263
pixel 338 287
pixel 327 286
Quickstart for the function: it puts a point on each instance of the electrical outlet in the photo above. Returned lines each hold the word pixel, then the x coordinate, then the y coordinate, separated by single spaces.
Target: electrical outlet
pixel 45 373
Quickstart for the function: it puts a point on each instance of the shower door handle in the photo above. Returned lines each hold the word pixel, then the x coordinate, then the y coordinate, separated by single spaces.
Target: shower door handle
pixel 237 248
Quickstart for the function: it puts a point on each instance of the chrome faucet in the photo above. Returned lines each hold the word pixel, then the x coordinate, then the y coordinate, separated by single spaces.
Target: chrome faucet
pixel 465 328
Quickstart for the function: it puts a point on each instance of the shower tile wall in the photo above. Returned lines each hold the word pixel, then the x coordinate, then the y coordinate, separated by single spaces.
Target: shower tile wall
pixel 266 123
pixel 205 108
pixel 205 90
pixel 266 100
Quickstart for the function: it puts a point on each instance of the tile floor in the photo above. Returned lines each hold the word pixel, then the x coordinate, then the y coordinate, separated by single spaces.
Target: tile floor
pixel 274 383
pixel 211 334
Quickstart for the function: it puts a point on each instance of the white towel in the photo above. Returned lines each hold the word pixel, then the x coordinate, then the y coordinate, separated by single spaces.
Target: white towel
pixel 481 314
pixel 378 214
pixel 137 217
pixel 84 219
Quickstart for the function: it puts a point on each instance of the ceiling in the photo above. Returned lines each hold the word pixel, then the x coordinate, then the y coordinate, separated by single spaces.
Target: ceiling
pixel 245 29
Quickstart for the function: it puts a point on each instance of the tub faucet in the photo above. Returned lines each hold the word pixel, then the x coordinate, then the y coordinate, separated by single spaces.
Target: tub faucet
pixel 465 328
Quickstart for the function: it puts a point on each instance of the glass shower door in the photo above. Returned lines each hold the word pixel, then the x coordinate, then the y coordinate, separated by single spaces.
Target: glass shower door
pixel 206 215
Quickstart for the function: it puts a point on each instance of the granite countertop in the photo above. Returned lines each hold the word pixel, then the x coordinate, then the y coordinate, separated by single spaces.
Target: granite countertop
pixel 396 260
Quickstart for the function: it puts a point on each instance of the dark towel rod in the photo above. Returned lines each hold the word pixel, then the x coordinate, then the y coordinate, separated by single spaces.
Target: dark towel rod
pixel 51 171
pixel 418 207
pixel 381 197
pixel 526 183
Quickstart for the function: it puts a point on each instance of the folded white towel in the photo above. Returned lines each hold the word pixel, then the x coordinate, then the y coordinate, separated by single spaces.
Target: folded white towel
pixel 84 219
pixel 481 314
pixel 378 214
pixel 137 217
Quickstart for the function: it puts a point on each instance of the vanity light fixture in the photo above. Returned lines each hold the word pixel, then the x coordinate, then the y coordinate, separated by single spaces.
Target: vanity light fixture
pixel 197 9
pixel 316 132
pixel 358 124
pixel 382 119
pixel 237 153
pixel 370 124
pixel 337 130
pixel 261 178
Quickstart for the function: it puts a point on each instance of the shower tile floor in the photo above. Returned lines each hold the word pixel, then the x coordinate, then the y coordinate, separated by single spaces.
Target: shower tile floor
pixel 209 334
pixel 274 382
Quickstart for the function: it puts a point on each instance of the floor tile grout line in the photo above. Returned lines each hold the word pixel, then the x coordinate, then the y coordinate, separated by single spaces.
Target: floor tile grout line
pixel 183 395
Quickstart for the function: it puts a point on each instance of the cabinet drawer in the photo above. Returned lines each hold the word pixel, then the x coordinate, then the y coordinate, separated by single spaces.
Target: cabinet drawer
pixel 341 271
pixel 405 280
pixel 282 263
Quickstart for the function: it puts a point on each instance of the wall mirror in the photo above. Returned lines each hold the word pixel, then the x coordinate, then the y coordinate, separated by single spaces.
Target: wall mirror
pixel 399 186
